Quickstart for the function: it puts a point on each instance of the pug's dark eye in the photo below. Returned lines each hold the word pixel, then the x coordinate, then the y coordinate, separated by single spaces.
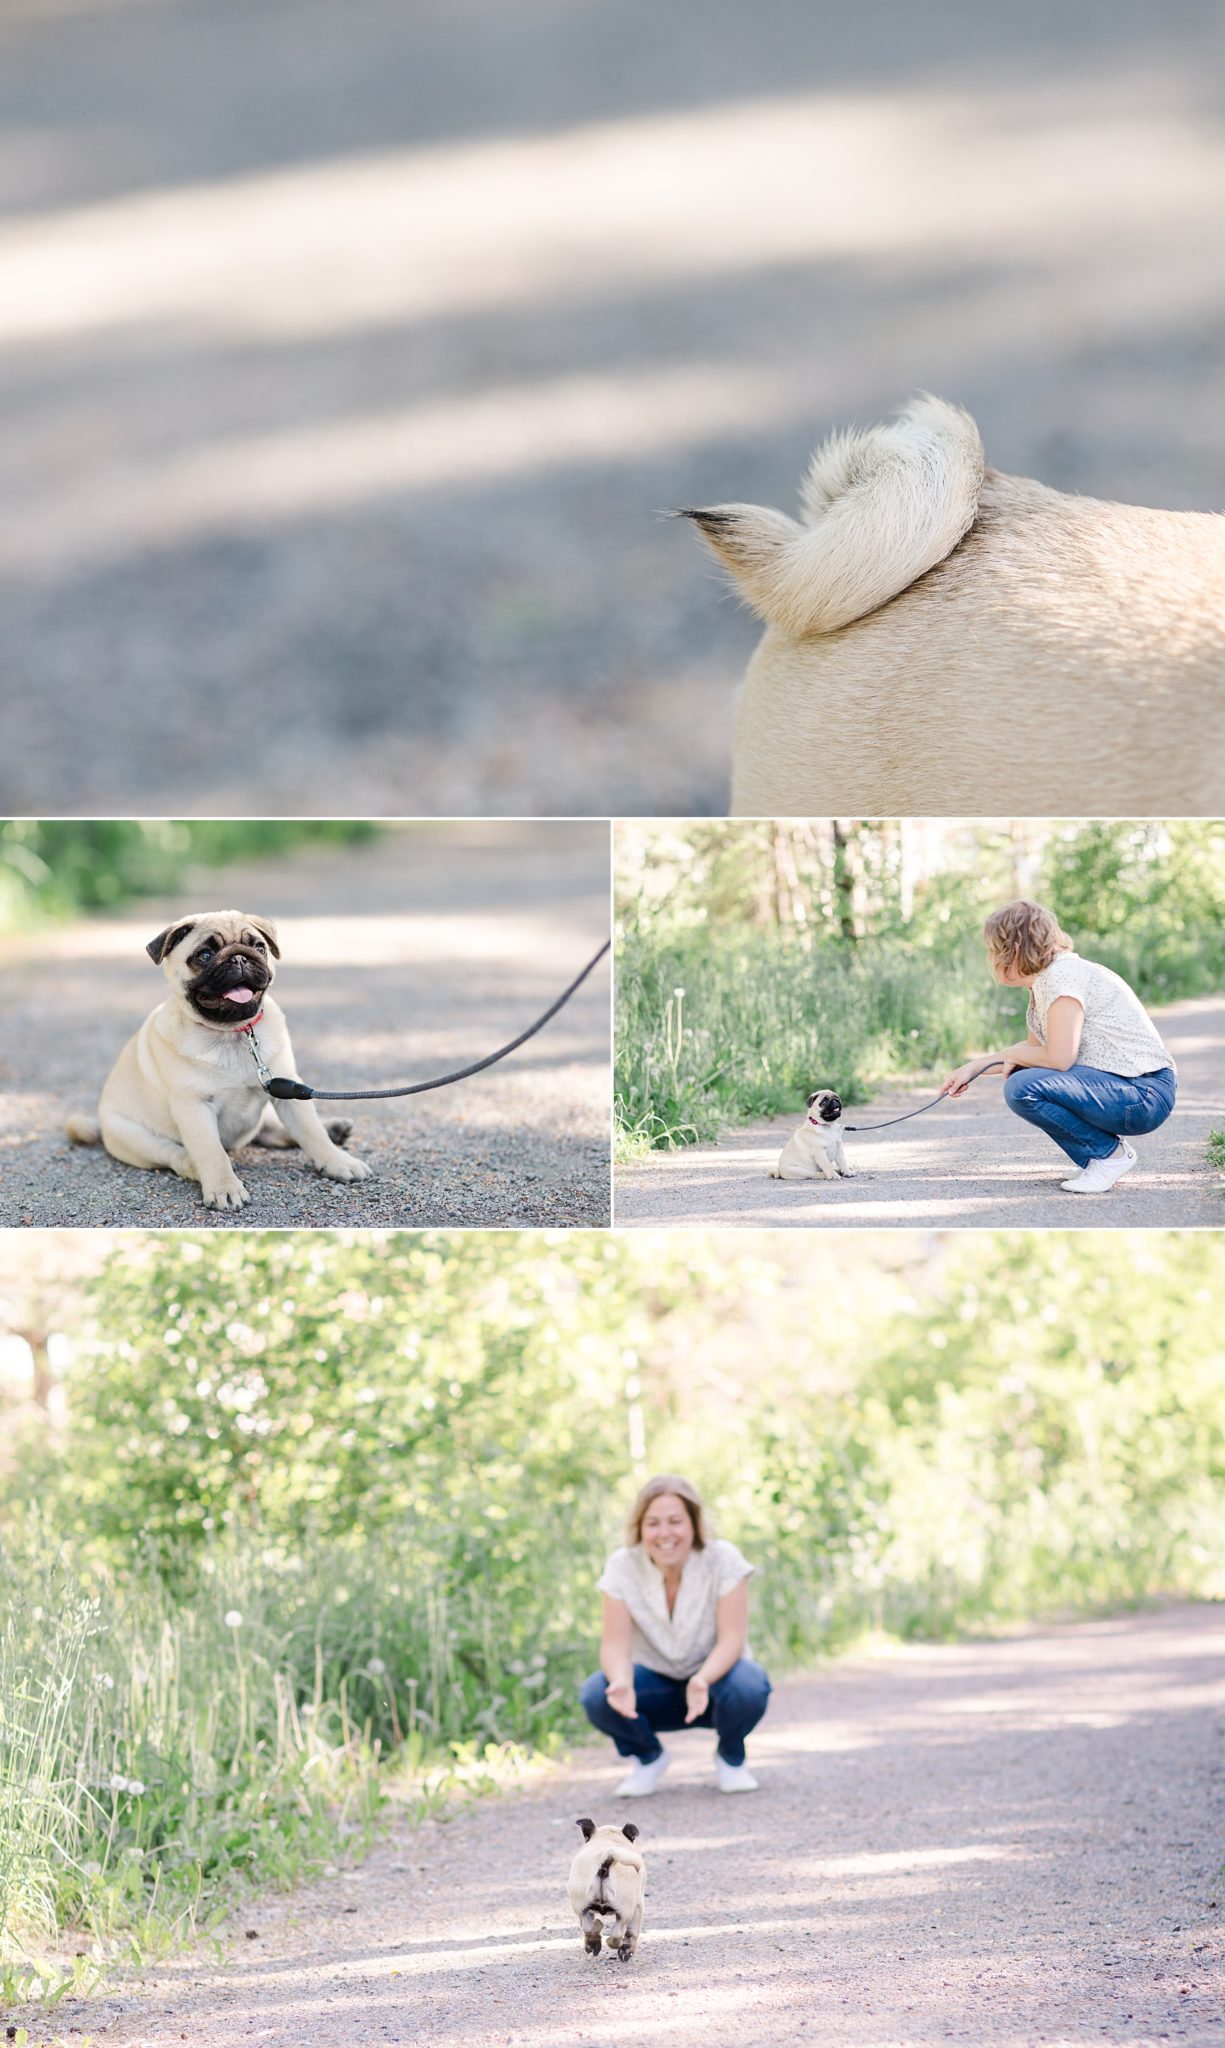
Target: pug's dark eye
pixel 204 955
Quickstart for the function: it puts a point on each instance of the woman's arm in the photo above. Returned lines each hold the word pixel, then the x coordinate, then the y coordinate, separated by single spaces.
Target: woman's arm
pixel 617 1656
pixel 731 1634
pixel 1065 1022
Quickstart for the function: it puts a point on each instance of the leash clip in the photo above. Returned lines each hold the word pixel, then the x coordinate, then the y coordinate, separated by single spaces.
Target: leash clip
pixel 262 1069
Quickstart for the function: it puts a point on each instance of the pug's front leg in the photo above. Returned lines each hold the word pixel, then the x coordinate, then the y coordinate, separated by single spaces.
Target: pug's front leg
pixel 847 1172
pixel 219 1184
pixel 305 1127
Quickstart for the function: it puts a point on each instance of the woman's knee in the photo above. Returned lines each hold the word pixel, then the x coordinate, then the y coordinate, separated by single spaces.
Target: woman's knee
pixel 746 1683
pixel 592 1693
pixel 1027 1085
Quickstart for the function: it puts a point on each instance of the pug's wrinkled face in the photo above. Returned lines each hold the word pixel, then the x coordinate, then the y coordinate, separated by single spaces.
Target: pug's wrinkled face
pixel 825 1106
pixel 220 964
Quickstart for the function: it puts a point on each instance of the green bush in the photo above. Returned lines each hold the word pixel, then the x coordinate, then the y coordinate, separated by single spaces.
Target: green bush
pixel 59 867
pixel 715 1028
pixel 325 1514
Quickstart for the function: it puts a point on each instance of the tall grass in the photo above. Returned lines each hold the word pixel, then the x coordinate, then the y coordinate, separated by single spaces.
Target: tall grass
pixel 717 1027
pixel 164 1749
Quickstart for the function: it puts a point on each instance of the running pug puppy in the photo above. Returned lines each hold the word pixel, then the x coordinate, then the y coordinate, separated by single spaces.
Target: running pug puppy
pixel 815 1150
pixel 184 1091
pixel 608 1888
pixel 918 591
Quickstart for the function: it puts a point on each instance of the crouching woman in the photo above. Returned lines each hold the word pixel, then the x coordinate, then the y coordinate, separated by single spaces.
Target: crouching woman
pixel 674 1640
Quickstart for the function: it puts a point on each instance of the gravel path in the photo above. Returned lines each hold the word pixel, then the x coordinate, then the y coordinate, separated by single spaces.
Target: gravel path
pixel 349 355
pixel 970 1162
pixel 402 957
pixel 996 1843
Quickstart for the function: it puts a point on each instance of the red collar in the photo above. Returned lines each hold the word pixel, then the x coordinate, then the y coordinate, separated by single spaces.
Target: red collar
pixel 251 1022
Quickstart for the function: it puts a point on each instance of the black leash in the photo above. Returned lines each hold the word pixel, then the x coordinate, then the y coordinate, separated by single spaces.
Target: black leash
pixel 286 1090
pixel 922 1106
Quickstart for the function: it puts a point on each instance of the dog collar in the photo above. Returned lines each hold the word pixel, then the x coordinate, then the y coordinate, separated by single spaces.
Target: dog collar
pixel 251 1022
pixel 818 1123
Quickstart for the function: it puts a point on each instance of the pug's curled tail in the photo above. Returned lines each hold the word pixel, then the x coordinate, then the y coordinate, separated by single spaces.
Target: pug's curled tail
pixel 83 1130
pixel 878 509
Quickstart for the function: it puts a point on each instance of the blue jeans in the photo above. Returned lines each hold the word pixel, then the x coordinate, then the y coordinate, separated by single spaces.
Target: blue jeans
pixel 1086 1110
pixel 737 1703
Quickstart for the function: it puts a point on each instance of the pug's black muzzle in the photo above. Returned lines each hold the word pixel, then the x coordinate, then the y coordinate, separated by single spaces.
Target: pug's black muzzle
pixel 831 1111
pixel 234 967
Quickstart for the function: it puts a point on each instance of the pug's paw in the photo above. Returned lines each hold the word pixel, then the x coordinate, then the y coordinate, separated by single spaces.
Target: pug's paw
pixel 345 1167
pixel 225 1194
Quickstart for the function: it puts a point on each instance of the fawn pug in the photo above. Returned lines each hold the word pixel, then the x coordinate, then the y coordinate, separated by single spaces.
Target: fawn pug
pixel 815 1149
pixel 608 1888
pixel 941 638
pixel 184 1092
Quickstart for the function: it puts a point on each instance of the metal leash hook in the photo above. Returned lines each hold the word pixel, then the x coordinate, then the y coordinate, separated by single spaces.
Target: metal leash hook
pixel 283 1088
pixel 923 1106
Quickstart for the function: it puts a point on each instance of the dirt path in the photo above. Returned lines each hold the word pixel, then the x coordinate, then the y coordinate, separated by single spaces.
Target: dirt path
pixel 349 355
pixel 969 1162
pixel 995 1843
pixel 405 956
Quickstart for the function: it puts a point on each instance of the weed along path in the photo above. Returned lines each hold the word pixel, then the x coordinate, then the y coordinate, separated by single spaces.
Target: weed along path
pixel 969 1162
pixel 403 956
pixel 997 1842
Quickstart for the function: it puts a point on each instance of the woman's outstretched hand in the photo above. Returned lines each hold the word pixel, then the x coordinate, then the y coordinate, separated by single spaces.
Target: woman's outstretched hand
pixel 958 1083
pixel 622 1699
pixel 697 1699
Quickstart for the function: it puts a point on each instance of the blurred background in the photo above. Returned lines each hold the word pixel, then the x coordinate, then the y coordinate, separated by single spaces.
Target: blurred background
pixel 752 956
pixel 348 356
pixel 283 1537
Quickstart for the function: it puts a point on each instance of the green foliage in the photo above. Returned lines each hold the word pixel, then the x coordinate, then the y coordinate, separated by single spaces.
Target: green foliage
pixel 371 1548
pixel 715 1027
pixel 58 867
pixel 739 989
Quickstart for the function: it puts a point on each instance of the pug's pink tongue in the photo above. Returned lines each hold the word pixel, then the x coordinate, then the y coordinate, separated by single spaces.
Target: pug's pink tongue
pixel 238 995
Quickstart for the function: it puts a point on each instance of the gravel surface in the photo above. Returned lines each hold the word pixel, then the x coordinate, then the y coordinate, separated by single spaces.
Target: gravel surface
pixel 1005 1843
pixel 969 1162
pixel 402 957
pixel 349 355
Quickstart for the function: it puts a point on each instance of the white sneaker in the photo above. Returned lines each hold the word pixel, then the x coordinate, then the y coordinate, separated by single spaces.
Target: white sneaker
pixel 643 1778
pixel 733 1777
pixel 1100 1174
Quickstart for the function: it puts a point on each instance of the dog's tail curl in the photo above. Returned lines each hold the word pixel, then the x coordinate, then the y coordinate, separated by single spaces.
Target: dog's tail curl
pixel 878 508
pixel 82 1129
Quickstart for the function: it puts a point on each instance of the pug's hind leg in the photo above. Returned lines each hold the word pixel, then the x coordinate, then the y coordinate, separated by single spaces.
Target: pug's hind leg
pixel 592 1942
pixel 136 1145
pixel 273 1134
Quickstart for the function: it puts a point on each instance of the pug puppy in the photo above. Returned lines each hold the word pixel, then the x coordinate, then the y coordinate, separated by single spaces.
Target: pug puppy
pixel 943 639
pixel 608 1888
pixel 184 1092
pixel 815 1149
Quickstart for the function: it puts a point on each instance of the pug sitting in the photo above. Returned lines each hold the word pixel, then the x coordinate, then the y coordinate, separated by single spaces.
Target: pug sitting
pixel 608 1888
pixel 815 1150
pixel 184 1092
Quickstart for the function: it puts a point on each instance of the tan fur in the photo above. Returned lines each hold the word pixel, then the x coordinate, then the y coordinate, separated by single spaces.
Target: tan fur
pixel 184 1092
pixel 608 1907
pixel 814 1151
pixel 1067 656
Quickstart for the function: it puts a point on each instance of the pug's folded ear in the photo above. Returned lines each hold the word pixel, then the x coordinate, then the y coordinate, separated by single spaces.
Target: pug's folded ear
pixel 588 1827
pixel 809 1100
pixel 630 1832
pixel 166 941
pixel 265 926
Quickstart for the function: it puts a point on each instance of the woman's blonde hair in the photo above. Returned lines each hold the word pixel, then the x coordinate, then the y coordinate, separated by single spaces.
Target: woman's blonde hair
pixel 1025 937
pixel 668 1482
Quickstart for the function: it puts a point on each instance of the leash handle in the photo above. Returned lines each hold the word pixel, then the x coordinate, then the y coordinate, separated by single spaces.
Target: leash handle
pixel 890 1120
pixel 284 1089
